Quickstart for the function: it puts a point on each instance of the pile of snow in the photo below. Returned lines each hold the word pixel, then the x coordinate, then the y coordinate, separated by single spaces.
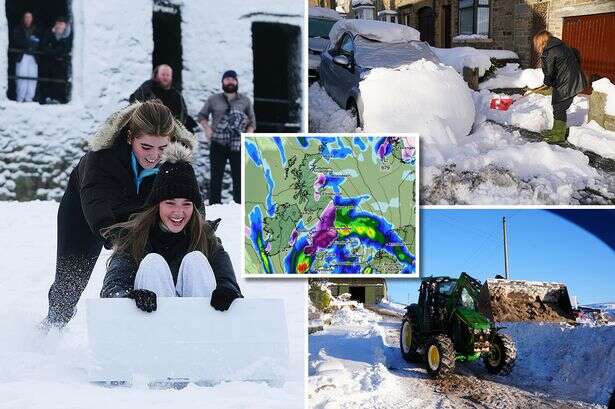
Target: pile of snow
pixel 323 12
pixel 471 37
pixel 374 30
pixel 606 87
pixel 511 76
pixel 325 115
pixel 50 371
pixel 592 137
pixel 500 54
pixel 412 97
pixel 459 57
pixel 572 362
pixel 394 307
pixel 533 112
pixel 357 3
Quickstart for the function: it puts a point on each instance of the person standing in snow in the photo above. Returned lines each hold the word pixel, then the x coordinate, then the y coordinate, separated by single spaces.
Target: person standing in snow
pixel 160 86
pixel 561 66
pixel 26 39
pixel 56 46
pixel 111 182
pixel 231 114
pixel 169 249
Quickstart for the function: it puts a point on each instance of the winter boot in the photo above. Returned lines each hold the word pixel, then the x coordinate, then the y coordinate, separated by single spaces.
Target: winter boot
pixel 558 134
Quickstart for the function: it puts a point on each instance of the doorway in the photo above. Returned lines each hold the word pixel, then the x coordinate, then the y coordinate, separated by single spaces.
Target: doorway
pixel 427 24
pixel 166 21
pixel 277 74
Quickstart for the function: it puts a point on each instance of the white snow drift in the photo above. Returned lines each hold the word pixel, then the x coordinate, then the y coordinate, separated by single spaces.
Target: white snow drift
pixel 594 138
pixel 416 98
pixel 374 30
pixel 606 87
pixel 511 76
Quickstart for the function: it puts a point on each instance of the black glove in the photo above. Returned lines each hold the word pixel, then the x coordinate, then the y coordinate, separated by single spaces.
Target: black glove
pixel 222 297
pixel 145 299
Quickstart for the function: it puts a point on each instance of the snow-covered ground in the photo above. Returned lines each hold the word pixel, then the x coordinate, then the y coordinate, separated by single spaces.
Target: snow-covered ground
pixel 50 371
pixel 502 160
pixel 356 362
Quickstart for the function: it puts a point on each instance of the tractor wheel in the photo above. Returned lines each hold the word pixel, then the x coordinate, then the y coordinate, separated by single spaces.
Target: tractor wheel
pixel 440 356
pixel 501 358
pixel 407 341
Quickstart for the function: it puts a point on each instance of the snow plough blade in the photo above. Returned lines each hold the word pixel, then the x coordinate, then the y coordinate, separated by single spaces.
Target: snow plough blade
pixel 187 340
pixel 516 300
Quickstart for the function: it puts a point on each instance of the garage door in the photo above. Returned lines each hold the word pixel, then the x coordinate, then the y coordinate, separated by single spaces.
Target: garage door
pixel 594 37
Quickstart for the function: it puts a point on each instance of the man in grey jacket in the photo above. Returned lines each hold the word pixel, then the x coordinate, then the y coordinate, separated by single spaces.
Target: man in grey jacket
pixel 231 115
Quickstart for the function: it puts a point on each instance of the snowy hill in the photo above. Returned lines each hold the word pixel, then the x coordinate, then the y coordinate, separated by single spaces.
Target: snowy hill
pixel 51 371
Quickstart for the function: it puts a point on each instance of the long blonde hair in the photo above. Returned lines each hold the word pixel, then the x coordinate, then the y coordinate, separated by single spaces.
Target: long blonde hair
pixel 540 40
pixel 131 237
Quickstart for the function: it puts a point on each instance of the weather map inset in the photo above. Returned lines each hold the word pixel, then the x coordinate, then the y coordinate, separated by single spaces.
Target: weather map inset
pixel 331 205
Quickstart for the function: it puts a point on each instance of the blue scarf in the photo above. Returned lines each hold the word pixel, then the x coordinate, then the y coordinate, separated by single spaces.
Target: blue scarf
pixel 140 173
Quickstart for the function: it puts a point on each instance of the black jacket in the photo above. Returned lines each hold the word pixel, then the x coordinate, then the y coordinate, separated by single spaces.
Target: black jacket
pixel 171 98
pixel 122 268
pixel 23 41
pixel 57 49
pixel 562 70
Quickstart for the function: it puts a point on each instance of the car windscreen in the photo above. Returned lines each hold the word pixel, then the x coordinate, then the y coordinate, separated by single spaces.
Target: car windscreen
pixel 319 27
pixel 371 54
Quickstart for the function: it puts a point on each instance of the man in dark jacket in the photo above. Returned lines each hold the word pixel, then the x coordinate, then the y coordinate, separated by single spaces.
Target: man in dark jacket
pixel 56 46
pixel 161 87
pixel 562 70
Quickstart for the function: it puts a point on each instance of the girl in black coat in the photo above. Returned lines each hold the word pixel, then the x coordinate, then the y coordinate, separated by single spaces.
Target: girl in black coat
pixel 111 182
pixel 562 70
pixel 169 249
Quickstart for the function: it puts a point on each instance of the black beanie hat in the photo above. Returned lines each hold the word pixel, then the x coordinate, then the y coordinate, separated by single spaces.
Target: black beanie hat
pixel 229 73
pixel 176 178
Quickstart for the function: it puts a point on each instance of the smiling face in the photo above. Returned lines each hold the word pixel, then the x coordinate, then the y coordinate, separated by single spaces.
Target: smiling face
pixel 148 149
pixel 175 213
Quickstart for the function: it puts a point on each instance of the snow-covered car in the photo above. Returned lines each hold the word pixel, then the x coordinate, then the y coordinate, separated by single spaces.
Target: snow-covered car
pixel 358 46
pixel 320 22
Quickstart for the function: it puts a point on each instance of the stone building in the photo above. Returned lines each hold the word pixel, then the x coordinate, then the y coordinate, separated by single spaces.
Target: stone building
pixel 588 25
pixel 368 291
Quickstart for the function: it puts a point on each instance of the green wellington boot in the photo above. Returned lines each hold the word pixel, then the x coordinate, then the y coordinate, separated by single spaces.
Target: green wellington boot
pixel 557 135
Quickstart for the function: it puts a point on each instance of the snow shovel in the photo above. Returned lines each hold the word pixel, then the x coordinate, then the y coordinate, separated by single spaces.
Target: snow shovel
pixel 518 300
pixel 543 90
pixel 186 340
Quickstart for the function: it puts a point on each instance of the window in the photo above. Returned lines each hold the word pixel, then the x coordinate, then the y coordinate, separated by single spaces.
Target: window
pixel 346 44
pixel 474 17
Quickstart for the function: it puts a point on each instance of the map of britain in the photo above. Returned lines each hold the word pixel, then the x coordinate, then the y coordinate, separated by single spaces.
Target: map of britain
pixel 330 205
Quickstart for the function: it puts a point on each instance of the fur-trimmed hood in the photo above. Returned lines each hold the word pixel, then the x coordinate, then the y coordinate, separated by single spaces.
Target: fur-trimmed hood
pixel 114 128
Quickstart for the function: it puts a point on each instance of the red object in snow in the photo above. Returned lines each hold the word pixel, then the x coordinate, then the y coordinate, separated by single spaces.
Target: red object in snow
pixel 501 104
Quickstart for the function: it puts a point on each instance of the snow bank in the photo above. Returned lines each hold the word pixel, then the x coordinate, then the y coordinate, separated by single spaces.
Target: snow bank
pixel 471 37
pixel 374 30
pixel 533 112
pixel 323 12
pixel 459 57
pixel 325 115
pixel 573 362
pixel 411 97
pixel 510 76
pixel 51 371
pixel 500 54
pixel 392 306
pixel 594 138
pixel 606 87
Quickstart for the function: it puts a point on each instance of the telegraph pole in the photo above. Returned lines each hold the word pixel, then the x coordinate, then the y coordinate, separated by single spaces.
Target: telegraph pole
pixel 505 249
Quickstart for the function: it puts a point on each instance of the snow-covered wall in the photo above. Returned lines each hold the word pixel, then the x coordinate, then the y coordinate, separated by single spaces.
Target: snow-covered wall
pixel 112 56
pixel 217 36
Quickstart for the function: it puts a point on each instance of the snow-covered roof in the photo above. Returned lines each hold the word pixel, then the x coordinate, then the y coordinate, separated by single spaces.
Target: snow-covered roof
pixel 374 30
pixel 323 12
pixel 387 13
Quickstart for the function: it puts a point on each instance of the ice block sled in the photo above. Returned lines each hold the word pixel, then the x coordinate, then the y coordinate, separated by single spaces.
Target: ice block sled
pixel 186 339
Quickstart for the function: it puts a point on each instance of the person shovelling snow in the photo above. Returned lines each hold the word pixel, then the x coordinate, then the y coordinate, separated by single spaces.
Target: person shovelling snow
pixel 169 249
pixel 562 70
pixel 111 182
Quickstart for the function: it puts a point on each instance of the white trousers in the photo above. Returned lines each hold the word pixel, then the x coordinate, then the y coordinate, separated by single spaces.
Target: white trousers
pixel 195 278
pixel 27 67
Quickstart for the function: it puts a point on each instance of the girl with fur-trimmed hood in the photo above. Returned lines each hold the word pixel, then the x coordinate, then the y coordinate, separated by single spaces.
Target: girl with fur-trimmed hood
pixel 169 249
pixel 111 182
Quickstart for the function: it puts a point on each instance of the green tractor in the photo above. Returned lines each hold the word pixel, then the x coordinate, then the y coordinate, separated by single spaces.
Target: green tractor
pixel 446 326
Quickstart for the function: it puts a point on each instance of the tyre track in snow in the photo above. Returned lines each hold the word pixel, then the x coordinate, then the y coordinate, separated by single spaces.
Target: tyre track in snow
pixel 465 389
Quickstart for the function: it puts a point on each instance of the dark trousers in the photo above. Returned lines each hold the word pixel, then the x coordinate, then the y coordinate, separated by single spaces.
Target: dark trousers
pixel 78 250
pixel 559 109
pixel 218 155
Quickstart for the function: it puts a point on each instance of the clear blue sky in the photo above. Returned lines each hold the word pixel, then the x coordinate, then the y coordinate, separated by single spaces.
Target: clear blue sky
pixel 542 247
